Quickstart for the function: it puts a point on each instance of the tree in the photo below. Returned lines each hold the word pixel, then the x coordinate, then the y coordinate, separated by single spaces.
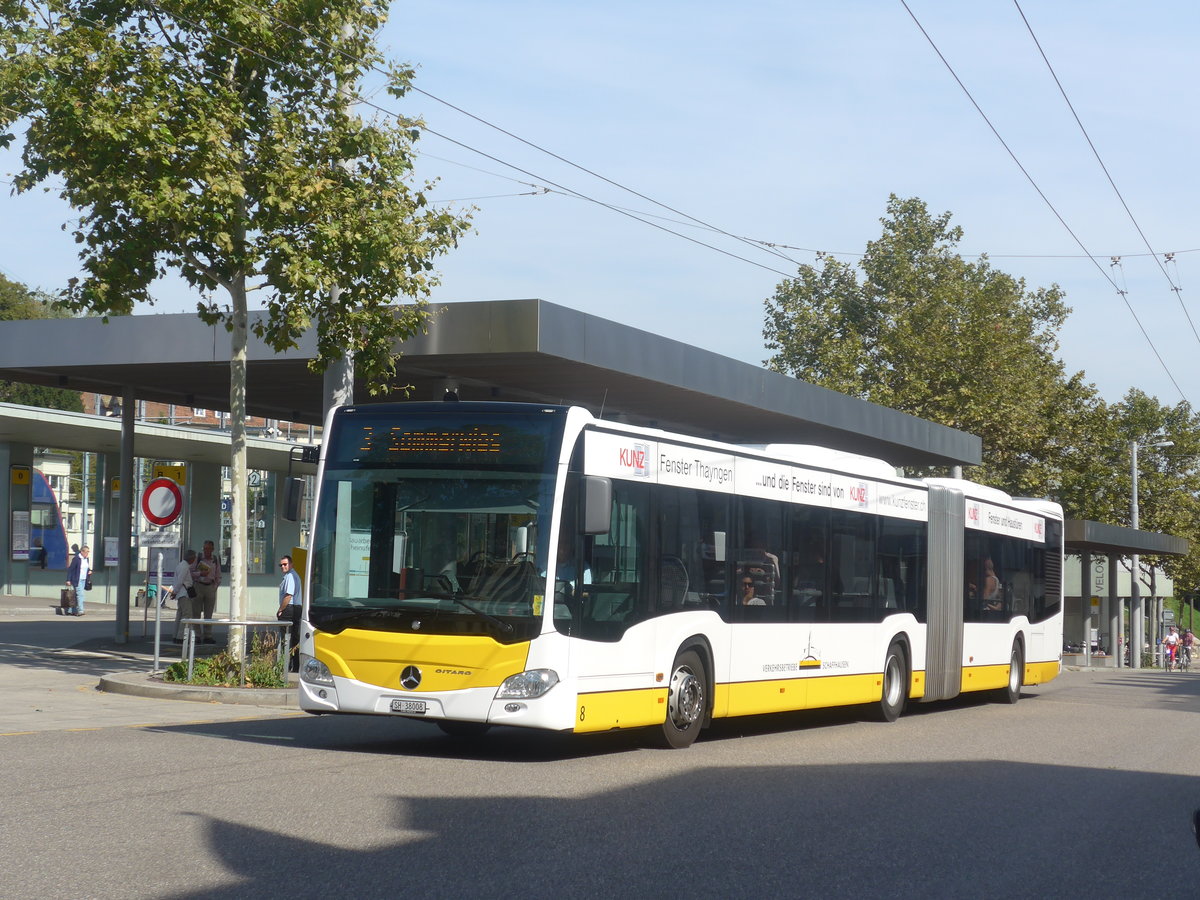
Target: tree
pixel 1168 477
pixel 214 138
pixel 951 341
pixel 18 302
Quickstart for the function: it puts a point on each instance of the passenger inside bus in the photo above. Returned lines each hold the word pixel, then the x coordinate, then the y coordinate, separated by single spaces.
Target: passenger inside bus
pixel 749 596
pixel 992 598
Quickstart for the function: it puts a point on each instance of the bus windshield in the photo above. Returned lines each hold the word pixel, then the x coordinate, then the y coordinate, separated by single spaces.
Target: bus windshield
pixel 435 520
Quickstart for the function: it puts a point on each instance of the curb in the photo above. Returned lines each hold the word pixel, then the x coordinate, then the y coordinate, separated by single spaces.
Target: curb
pixel 144 685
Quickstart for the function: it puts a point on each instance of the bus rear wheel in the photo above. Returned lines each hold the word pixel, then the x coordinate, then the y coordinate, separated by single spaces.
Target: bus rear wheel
pixel 1011 692
pixel 895 684
pixel 687 702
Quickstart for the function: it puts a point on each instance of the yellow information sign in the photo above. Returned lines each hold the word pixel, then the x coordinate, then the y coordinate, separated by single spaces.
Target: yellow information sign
pixel 21 474
pixel 177 474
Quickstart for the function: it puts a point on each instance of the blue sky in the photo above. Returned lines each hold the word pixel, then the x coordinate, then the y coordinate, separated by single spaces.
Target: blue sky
pixel 791 122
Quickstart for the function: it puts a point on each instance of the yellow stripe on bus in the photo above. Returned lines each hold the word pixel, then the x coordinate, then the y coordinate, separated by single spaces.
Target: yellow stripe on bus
pixel 606 710
pixel 748 698
pixel 1041 672
pixel 448 662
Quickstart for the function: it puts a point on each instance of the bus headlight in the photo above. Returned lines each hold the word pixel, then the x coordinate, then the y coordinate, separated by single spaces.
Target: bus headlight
pixel 314 671
pixel 527 685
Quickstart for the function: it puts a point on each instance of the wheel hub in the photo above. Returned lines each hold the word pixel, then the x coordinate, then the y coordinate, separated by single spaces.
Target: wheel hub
pixel 891 682
pixel 686 703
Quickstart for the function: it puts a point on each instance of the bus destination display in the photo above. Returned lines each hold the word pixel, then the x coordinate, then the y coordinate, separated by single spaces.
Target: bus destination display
pixel 425 441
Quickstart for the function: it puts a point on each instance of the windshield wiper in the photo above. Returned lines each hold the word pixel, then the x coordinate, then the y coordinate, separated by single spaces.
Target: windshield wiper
pixel 458 597
pixel 350 615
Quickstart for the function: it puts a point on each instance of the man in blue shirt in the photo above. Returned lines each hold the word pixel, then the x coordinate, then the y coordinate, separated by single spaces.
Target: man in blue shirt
pixel 290 604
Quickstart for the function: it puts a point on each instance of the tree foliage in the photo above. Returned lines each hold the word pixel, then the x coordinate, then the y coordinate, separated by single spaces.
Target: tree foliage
pixel 915 327
pixel 952 341
pixel 18 302
pixel 215 138
pixel 1168 477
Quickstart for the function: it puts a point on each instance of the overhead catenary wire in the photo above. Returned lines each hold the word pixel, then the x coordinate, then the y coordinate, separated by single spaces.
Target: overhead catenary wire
pixel 1162 268
pixel 414 88
pixel 541 190
pixel 1124 295
pixel 425 129
pixel 638 216
pixel 461 144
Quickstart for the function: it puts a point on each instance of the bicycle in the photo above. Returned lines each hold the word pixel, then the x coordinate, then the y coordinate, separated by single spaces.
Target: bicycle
pixel 1185 658
pixel 1169 652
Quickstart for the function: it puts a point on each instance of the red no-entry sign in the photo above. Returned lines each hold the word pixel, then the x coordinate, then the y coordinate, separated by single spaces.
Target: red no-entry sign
pixel 162 501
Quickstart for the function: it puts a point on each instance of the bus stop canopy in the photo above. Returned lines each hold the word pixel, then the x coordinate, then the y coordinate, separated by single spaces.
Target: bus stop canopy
pixel 513 350
pixel 1084 535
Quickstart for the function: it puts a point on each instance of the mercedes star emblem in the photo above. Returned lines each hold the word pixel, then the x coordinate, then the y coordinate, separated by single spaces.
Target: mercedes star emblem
pixel 410 677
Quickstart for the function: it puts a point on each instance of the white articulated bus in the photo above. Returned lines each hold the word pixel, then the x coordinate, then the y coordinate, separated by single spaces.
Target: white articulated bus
pixel 478 564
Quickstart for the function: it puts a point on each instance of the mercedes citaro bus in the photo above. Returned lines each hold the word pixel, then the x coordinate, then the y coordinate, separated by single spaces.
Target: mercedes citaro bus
pixel 479 564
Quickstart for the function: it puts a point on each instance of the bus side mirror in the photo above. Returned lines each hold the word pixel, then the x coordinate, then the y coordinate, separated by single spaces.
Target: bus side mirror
pixel 597 504
pixel 293 496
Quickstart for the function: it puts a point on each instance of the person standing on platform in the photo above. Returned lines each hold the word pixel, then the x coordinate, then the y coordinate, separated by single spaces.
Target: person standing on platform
pixel 186 596
pixel 206 573
pixel 290 605
pixel 77 577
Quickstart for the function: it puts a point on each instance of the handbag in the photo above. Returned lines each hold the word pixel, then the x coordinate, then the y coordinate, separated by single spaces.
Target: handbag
pixel 87 582
pixel 191 589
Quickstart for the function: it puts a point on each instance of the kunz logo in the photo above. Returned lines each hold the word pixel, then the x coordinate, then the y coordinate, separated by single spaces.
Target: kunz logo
pixel 410 678
pixel 858 494
pixel 636 458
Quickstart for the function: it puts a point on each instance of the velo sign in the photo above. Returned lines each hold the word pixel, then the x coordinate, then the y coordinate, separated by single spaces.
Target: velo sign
pixel 162 501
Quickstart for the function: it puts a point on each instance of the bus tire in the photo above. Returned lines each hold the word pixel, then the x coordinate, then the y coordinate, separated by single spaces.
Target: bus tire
pixel 1011 693
pixel 687 702
pixel 463 730
pixel 895 684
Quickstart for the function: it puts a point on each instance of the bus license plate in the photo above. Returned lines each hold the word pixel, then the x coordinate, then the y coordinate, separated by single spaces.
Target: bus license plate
pixel 409 706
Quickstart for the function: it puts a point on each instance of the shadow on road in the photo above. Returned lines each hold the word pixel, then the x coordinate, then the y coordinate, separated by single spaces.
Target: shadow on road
pixel 905 830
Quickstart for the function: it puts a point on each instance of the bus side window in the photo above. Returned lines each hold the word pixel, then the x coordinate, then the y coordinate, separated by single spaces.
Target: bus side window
pixel 854 568
pixel 808 570
pixel 617 595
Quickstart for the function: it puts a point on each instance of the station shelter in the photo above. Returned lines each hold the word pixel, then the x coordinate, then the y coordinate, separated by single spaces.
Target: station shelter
pixel 1106 610
pixel 508 350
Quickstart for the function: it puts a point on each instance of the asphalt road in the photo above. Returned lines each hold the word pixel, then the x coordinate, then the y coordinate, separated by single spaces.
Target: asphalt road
pixel 1083 789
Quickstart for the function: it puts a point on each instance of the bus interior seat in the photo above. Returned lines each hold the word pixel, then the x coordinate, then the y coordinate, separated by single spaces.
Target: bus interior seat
pixel 672 581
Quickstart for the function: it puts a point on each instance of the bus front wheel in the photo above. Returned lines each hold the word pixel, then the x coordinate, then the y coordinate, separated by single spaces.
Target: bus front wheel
pixel 895 684
pixel 686 702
